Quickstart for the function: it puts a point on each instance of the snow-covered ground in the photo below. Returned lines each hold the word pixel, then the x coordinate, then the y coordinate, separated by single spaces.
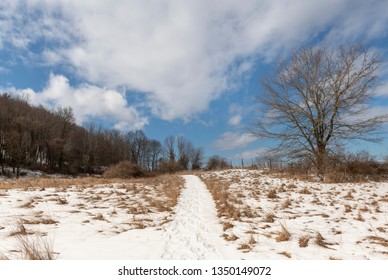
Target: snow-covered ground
pixel 273 218
pixel 241 219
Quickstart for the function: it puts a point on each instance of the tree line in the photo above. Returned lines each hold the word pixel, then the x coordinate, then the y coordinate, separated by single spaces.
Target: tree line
pixel 36 138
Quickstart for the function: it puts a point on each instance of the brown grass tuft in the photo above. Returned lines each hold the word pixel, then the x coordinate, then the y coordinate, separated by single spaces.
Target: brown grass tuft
pixel 244 247
pixel 227 226
pixel 304 241
pixel 232 237
pixel 62 201
pixel 272 194
pixel 360 217
pixel 34 248
pixel 287 254
pixel 334 258
pixel 287 203
pixel 348 208
pixel 99 217
pixel 269 218
pixel 44 221
pixel 21 230
pixel 283 234
pixel 379 240
pixel 305 190
pixel 28 204
pixel 320 241
pixel 349 195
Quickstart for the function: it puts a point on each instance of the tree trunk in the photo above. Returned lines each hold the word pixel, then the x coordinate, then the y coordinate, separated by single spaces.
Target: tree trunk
pixel 320 161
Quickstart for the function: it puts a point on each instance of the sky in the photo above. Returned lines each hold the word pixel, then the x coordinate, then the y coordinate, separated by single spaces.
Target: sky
pixel 186 68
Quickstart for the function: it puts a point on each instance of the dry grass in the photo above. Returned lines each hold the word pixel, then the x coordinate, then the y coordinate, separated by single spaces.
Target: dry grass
pixel 272 194
pixel 348 208
pixel 41 220
pixel 320 241
pixel 287 203
pixel 379 240
pixel 20 230
pixel 269 218
pixel 304 241
pixel 305 190
pixel 349 196
pixel 227 226
pixel 232 237
pixel 99 217
pixel 284 253
pixel 381 229
pixel 44 182
pixel 28 204
pixel 360 217
pixel 334 258
pixel 244 247
pixel 283 234
pixel 219 192
pixel 34 248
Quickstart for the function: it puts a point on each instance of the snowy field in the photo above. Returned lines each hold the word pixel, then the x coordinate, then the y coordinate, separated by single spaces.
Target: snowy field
pixel 231 214
pixel 271 218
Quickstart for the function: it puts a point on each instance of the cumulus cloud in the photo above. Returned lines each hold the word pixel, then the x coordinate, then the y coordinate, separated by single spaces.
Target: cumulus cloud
pixel 87 101
pixel 233 140
pixel 180 54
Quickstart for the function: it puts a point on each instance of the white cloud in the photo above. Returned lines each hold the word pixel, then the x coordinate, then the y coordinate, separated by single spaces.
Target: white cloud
pixel 233 140
pixel 251 154
pixel 181 54
pixel 236 112
pixel 235 120
pixel 87 102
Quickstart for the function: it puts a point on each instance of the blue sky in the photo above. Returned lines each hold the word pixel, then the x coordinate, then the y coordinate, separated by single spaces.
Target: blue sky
pixel 188 68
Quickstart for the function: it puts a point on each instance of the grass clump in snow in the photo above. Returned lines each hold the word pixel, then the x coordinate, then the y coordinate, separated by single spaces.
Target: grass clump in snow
pixel 284 253
pixel 272 194
pixel 34 248
pixel 304 241
pixel 283 234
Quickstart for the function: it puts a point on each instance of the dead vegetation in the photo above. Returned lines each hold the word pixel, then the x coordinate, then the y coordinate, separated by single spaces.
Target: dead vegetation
pixel 304 241
pixel 34 248
pixel 63 182
pixel 378 240
pixel 284 253
pixel 219 192
pixel 283 234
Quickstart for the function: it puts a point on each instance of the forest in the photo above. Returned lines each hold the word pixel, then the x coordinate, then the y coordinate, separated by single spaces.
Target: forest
pixel 35 138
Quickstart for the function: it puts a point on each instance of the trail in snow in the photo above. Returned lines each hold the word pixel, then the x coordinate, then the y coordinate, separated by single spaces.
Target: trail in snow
pixel 195 232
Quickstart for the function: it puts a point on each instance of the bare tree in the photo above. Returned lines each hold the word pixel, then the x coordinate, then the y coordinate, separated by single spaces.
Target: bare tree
pixel 169 148
pixel 196 158
pixel 216 162
pixel 185 148
pixel 320 97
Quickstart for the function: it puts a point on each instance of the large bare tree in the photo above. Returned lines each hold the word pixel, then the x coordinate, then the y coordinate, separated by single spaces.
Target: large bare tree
pixel 319 97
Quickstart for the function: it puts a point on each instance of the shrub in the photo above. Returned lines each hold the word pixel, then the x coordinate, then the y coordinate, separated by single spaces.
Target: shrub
pixel 216 162
pixel 124 170
pixel 170 166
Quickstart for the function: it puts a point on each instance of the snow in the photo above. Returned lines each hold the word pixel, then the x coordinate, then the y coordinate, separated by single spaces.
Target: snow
pixel 195 232
pixel 306 209
pixel 121 221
